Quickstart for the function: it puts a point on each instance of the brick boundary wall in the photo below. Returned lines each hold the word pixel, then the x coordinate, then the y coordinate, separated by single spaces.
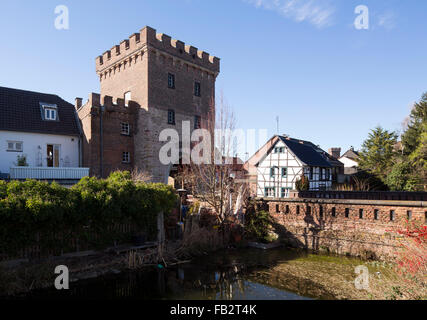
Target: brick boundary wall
pixel 363 228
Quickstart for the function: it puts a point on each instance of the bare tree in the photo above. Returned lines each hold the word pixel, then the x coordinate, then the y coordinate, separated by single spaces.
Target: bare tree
pixel 216 182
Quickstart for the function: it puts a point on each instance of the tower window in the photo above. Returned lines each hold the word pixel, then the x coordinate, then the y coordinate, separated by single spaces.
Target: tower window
pixel 360 213
pixel 334 212
pixel 347 212
pixel 197 89
pixel 197 122
pixel 171 81
pixel 126 157
pixel 171 117
pixel 409 214
pixel 125 128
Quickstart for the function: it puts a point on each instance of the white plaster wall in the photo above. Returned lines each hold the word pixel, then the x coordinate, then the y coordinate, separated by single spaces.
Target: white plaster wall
pixel 348 163
pixel 280 160
pixel 69 149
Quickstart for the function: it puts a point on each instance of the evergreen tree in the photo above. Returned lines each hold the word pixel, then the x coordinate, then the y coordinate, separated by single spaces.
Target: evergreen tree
pixel 417 119
pixel 378 151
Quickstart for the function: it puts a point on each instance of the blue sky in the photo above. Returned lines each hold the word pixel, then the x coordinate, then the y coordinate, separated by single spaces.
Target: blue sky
pixel 301 60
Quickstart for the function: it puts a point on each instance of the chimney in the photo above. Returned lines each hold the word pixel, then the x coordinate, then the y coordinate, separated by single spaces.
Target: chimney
pixel 78 103
pixel 335 152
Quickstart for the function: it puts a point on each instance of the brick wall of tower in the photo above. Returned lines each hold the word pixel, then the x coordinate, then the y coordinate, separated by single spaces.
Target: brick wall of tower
pixel 141 65
pixel 114 143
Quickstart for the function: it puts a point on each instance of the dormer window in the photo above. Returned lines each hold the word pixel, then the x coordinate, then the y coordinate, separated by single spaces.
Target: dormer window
pixel 49 112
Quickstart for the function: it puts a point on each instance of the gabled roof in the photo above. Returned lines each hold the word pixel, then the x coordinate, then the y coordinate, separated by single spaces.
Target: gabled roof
pixel 20 110
pixel 306 152
pixel 351 154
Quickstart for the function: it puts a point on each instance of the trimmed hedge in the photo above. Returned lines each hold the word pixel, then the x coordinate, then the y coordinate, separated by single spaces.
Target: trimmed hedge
pixel 53 217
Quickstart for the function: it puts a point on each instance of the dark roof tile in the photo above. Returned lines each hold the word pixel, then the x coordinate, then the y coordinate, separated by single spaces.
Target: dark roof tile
pixel 20 111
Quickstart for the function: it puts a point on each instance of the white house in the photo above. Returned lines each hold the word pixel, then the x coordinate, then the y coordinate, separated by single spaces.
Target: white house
pixel 282 162
pixel 39 136
pixel 350 159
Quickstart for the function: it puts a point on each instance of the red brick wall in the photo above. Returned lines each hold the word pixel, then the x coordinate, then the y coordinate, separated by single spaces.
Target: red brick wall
pixel 315 227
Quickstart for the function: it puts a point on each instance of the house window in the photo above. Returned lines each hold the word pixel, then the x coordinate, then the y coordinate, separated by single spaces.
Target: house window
pixel 197 89
pixel 334 212
pixel 308 210
pixel 376 214
pixel 49 113
pixel 171 81
pixel 171 117
pixel 409 214
pixel 284 192
pixel 277 208
pixel 311 173
pixel 128 97
pixel 279 150
pixel 392 215
pixel 197 122
pixel 347 212
pixel 284 172
pixel 125 128
pixel 14 146
pixel 297 209
pixel 126 157
pixel 269 192
pixel 287 209
pixel 320 211
pixel 271 172
pixel 360 213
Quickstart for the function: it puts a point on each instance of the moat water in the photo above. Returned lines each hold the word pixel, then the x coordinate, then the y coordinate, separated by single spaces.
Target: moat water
pixel 235 274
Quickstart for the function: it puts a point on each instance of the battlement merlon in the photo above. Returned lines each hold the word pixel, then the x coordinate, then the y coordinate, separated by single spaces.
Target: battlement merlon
pixel 147 38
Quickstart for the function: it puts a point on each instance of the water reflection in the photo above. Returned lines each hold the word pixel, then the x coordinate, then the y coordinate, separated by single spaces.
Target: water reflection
pixel 225 275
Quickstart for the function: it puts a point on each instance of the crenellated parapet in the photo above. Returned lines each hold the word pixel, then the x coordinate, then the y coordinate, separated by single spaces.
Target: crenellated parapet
pixel 132 50
pixel 96 101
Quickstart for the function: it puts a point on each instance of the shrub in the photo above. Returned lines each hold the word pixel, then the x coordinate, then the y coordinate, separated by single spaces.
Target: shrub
pixel 89 211
pixel 258 225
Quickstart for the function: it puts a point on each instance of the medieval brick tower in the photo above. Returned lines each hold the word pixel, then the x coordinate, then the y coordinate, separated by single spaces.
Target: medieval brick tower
pixel 165 81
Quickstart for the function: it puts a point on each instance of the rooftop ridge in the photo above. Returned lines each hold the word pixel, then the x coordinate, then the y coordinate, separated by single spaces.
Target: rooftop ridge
pixel 147 37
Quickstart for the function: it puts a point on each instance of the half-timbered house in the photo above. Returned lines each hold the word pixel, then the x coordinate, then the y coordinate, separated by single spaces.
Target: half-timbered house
pixel 283 161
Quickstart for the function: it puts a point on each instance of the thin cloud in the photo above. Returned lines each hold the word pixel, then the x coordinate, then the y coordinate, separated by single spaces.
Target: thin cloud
pixel 318 13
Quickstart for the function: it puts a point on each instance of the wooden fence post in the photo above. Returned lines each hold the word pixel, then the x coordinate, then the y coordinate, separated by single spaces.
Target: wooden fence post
pixel 160 235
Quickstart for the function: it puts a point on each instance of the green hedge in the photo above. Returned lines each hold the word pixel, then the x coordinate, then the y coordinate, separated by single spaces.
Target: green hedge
pixel 52 216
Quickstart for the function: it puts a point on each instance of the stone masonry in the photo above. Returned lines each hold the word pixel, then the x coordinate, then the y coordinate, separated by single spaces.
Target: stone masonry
pixel 140 67
pixel 357 227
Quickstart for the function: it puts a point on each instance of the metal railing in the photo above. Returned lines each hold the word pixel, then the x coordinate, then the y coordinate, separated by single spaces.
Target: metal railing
pixel 48 173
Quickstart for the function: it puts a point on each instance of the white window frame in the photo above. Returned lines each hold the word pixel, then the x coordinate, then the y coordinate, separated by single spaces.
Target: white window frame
pixel 48 111
pixel 14 146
